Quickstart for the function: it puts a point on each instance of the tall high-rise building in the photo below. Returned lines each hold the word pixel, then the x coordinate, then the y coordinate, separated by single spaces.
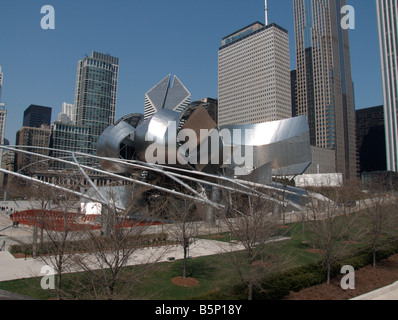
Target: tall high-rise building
pixel 167 95
pixel 35 116
pixel 324 89
pixel 254 75
pixel 68 114
pixel 293 80
pixel 35 137
pixel 387 11
pixel 96 94
pixel 1 81
pixel 3 111
pixel 70 137
pixel 371 139
pixel 3 115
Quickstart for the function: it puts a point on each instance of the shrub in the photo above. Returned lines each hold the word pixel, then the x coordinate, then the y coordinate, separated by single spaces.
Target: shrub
pixel 278 286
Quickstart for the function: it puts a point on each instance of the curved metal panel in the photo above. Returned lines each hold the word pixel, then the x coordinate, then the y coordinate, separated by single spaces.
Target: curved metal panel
pixel 280 145
pixel 112 142
pixel 253 151
pixel 156 138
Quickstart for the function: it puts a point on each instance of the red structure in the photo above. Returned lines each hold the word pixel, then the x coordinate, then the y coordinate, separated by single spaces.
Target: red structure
pixel 58 221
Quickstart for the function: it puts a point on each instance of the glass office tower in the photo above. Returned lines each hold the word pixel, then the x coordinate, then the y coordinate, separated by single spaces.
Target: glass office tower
pixel 324 87
pixel 96 94
pixel 35 116
pixel 70 137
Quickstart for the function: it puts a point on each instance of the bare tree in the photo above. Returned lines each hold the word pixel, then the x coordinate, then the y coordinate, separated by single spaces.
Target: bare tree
pixel 285 181
pixel 106 257
pixel 57 247
pixel 330 230
pixel 187 217
pixel 380 218
pixel 51 211
pixel 251 221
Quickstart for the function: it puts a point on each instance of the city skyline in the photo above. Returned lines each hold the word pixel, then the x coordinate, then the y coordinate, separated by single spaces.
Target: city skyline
pixel 47 77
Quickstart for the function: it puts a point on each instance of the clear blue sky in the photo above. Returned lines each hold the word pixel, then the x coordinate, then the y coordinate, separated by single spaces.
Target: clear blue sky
pixel 152 38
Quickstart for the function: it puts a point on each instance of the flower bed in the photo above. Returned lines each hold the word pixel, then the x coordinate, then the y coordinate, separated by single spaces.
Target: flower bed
pixel 57 220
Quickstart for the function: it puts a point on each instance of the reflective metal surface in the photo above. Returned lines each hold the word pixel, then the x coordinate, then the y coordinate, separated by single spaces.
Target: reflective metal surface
pixel 253 152
pixel 280 146
pixel 116 142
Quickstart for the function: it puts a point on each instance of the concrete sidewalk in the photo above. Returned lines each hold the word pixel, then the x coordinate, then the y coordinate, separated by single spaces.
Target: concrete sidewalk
pixel 386 293
pixel 12 268
pixel 5 295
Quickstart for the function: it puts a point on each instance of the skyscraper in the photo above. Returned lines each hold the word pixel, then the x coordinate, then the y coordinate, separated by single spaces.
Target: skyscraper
pixel 1 81
pixel 70 137
pixel 371 139
pixel 388 35
pixel 96 94
pixel 68 114
pixel 35 137
pixel 35 116
pixel 3 111
pixel 324 85
pixel 254 75
pixel 167 95
pixel 3 115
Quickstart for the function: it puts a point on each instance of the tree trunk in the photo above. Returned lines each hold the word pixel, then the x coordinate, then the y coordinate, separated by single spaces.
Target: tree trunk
pixel 328 273
pixel 250 291
pixel 34 242
pixel 59 285
pixel 184 271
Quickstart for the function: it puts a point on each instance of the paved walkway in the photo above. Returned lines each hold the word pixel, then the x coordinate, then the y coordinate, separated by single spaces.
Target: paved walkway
pixel 386 293
pixel 5 295
pixel 12 268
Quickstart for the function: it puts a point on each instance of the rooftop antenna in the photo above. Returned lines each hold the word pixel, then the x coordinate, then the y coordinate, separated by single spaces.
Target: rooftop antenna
pixel 266 13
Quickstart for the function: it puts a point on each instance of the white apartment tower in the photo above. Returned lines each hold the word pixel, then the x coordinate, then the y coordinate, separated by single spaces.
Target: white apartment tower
pixel 254 75
pixel 388 35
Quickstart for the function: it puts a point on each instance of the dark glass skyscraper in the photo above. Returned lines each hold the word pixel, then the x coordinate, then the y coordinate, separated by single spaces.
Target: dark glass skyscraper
pixel 371 139
pixel 324 85
pixel 35 116
pixel 96 94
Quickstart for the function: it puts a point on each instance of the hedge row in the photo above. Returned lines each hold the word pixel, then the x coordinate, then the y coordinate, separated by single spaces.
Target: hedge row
pixel 279 285
pixel 77 246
